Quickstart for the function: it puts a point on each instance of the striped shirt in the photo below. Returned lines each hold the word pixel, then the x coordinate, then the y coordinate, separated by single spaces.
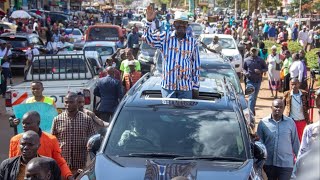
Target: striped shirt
pixel 73 134
pixel 181 66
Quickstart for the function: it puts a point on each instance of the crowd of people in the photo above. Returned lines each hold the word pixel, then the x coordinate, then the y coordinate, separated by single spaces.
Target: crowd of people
pixel 288 132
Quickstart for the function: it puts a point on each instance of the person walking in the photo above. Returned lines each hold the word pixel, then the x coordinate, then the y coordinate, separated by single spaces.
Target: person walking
pixel 109 90
pixel 303 59
pixel 265 31
pixel 279 134
pixel 132 77
pixel 274 67
pixel 73 129
pixel 181 65
pixel 14 168
pixel 133 41
pixel 5 65
pixel 98 123
pixel 253 69
pixel 50 145
pixel 303 37
pixel 30 53
pixel 272 33
pixel 296 69
pixel 285 68
pixel 42 168
pixel 296 106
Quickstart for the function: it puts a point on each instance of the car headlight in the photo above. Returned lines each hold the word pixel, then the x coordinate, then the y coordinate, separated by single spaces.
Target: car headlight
pixel 238 57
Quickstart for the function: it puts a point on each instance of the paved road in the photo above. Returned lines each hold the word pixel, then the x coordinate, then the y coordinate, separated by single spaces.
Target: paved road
pixel 262 109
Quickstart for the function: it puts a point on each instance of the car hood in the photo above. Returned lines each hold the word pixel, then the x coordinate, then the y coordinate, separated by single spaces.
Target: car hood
pixel 230 52
pixel 135 168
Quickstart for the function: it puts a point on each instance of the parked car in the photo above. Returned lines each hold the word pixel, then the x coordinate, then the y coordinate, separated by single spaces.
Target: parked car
pixel 104 48
pixel 8 27
pixel 208 132
pixel 76 36
pixel 229 48
pixel 20 43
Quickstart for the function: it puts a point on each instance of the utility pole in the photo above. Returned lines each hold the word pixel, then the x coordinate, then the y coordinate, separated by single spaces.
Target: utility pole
pixel 235 9
pixel 248 7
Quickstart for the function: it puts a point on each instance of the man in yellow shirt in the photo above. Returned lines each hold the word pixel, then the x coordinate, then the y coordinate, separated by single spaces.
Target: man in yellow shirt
pixel 36 89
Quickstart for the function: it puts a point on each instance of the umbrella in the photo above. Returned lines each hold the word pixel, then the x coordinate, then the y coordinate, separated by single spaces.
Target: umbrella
pixel 20 14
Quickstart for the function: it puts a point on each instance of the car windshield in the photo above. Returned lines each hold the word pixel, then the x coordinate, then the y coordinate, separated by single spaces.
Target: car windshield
pixel 225 43
pixel 74 32
pixel 219 73
pixel 105 50
pixel 177 130
pixel 196 27
pixel 103 34
pixel 16 42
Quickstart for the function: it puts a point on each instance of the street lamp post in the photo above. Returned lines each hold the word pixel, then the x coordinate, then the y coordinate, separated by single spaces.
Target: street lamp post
pixel 300 14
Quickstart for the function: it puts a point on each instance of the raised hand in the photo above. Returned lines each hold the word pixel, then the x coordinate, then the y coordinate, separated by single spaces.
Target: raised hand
pixel 150 14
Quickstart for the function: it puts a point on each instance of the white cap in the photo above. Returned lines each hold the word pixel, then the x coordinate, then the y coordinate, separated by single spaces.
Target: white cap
pixel 182 16
pixel 274 47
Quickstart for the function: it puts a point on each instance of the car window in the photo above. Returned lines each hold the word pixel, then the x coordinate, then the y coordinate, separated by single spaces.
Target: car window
pixel 103 34
pixel 215 73
pixel 35 40
pixel 16 42
pixel 105 50
pixel 196 27
pixel 225 43
pixel 54 66
pixel 176 130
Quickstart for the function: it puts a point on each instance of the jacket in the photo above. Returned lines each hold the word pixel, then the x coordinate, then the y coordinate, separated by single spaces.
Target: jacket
pixel 49 147
pixel 287 98
pixel 109 90
pixel 9 169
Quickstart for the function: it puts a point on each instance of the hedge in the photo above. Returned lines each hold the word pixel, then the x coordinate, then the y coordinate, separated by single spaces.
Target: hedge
pixel 294 47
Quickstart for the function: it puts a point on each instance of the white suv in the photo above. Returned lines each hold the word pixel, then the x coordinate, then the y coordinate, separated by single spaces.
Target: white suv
pixel 229 48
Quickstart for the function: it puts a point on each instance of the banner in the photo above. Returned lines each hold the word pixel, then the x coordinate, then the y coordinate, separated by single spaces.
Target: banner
pixel 47 113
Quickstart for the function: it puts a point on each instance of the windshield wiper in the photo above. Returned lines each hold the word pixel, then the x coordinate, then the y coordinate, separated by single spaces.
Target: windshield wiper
pixel 211 158
pixel 153 155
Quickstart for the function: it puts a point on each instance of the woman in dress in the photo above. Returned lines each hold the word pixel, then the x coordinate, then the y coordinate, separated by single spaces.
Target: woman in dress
pixel 274 68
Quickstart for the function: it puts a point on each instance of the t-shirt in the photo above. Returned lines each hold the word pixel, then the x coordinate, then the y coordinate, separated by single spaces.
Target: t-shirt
pixel 22 170
pixel 2 53
pixel 31 52
pixel 124 67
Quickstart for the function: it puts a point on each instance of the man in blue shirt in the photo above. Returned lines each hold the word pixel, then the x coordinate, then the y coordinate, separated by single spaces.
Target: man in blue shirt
pixel 109 90
pixel 133 41
pixel 279 134
pixel 272 33
pixel 265 31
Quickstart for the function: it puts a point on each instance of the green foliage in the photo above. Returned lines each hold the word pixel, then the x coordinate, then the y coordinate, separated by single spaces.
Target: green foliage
pixel 293 46
pixel 312 58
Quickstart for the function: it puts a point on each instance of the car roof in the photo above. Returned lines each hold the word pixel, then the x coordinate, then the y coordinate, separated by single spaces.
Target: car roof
pixel 141 99
pixel 213 35
pixel 99 43
pixel 19 34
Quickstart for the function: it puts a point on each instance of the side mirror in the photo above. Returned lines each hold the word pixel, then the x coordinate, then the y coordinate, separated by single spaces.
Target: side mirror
pixel 93 145
pixel 259 151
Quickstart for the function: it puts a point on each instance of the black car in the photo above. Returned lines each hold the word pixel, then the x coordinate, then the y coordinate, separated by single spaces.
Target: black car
pixel 214 67
pixel 208 131
pixel 20 43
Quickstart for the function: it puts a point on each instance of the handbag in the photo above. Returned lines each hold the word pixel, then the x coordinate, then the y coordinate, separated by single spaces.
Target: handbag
pixel 282 74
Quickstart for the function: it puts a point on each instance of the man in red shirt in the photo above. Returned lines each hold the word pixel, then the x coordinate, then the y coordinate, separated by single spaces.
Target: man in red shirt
pixel 245 23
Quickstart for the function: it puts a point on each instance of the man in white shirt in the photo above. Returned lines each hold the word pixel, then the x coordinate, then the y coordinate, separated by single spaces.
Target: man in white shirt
pixel 310 39
pixel 303 37
pixel 209 29
pixel 5 65
pixel 215 46
pixel 32 51
pixel 297 68
pixel 35 25
pixel 52 47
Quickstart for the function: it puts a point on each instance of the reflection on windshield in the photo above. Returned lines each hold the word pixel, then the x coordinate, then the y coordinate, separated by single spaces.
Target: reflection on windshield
pixel 225 43
pixel 179 131
pixel 106 50
pixel 220 74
